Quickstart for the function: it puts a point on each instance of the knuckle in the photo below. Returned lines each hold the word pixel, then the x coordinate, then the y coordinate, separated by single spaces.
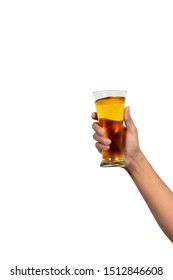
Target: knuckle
pixel 97 144
pixel 134 129
pixel 94 126
pixel 95 136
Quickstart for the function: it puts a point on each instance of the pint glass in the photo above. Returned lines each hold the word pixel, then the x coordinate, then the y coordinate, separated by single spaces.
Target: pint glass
pixel 110 110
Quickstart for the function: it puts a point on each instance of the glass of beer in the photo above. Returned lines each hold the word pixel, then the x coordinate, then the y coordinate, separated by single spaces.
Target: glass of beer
pixel 110 111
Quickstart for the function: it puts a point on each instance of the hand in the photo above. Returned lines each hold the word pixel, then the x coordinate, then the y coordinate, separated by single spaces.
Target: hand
pixel 131 143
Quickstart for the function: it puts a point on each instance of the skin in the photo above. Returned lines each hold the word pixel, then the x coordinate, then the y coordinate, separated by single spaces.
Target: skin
pixel 155 192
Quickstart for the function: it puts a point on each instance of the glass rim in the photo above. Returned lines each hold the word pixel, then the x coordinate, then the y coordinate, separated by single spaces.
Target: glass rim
pixel 108 93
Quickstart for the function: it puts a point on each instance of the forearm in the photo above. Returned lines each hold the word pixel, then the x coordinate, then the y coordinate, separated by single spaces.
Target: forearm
pixel 155 192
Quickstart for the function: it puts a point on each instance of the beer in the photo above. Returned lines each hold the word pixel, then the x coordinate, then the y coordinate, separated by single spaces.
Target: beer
pixel 113 131
pixel 110 111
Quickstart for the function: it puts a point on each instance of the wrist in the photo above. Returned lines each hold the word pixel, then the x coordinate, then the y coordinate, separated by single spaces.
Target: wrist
pixel 134 163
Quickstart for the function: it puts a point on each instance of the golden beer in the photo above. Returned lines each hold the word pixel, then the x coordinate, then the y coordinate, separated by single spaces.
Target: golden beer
pixel 110 111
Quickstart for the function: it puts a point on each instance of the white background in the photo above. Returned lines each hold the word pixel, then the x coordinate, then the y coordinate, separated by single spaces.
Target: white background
pixel 58 207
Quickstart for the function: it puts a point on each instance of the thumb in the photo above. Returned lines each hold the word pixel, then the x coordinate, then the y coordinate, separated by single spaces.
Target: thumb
pixel 128 120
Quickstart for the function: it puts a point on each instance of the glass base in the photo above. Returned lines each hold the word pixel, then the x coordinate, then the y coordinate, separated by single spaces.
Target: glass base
pixel 112 163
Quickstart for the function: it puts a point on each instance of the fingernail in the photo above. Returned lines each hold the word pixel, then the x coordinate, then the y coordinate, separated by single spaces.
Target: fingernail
pixel 105 148
pixel 100 131
pixel 107 141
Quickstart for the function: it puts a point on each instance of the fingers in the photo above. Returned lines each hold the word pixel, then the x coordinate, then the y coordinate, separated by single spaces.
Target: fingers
pixel 100 147
pixel 98 129
pixel 99 133
pixel 101 140
pixel 102 143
